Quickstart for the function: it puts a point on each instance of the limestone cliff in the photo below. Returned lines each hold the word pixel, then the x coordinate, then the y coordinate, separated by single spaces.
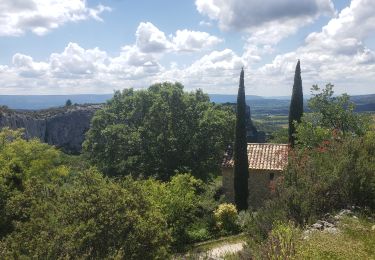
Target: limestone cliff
pixel 63 127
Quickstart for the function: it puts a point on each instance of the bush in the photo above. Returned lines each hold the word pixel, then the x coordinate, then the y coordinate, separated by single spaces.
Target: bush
pixel 50 211
pixel 281 242
pixel 87 217
pixel 226 217
pixel 329 177
pixel 259 224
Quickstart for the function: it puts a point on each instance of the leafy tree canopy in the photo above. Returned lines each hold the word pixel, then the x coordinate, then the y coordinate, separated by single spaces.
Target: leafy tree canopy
pixel 159 131
pixel 331 117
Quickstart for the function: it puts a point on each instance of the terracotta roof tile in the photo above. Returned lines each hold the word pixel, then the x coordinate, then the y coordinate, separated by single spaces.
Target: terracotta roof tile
pixel 262 156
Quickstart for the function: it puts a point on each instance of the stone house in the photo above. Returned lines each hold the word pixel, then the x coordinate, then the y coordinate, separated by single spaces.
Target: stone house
pixel 266 163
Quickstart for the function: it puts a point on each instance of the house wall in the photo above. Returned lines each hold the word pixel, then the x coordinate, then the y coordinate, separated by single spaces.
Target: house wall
pixel 259 184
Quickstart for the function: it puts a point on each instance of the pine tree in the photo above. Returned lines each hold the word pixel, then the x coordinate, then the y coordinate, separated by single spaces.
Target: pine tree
pixel 296 104
pixel 241 164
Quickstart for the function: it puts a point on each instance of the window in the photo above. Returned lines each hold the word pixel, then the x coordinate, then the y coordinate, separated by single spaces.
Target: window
pixel 272 176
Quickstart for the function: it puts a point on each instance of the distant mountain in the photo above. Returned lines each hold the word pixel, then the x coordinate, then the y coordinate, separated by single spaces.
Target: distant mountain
pixel 281 103
pixel 35 102
pixel 222 98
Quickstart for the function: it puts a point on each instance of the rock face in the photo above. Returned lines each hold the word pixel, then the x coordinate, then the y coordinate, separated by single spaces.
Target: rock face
pixel 63 127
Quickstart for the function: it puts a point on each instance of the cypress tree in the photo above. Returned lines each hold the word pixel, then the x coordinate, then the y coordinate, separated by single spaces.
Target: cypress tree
pixel 241 164
pixel 296 103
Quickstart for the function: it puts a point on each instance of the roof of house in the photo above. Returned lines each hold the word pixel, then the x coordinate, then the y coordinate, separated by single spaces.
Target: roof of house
pixel 262 156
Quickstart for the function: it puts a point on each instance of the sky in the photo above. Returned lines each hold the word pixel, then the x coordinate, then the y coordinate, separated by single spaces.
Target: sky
pixel 96 47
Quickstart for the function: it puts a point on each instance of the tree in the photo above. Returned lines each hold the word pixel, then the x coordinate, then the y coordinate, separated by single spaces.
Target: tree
pixel 68 103
pixel 241 164
pixel 330 118
pixel 296 104
pixel 158 132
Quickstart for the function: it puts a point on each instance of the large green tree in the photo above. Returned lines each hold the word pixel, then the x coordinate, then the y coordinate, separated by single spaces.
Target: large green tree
pixel 296 104
pixel 158 132
pixel 241 164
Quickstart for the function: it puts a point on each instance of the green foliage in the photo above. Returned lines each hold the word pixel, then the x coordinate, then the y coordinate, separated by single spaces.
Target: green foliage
pixel 86 217
pixel 296 104
pixel 226 218
pixel 355 241
pixel 258 224
pixel 21 162
pixel 158 132
pixel 241 164
pixel 280 136
pixel 182 202
pixel 51 211
pixel 330 177
pixel 330 118
pixel 281 242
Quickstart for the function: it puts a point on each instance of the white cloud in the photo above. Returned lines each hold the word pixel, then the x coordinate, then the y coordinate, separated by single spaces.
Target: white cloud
pixel 245 15
pixel 216 72
pixel 41 16
pixel 266 22
pixel 336 54
pixel 186 40
pixel 75 61
pixel 149 39
pixel 26 67
pixel 205 23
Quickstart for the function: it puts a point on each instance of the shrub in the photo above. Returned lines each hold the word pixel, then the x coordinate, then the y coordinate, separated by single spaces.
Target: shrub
pixel 87 217
pixel 281 242
pixel 226 217
pixel 259 224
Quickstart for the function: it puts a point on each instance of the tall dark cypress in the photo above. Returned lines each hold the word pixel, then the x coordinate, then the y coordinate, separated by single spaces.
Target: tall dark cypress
pixel 241 164
pixel 296 104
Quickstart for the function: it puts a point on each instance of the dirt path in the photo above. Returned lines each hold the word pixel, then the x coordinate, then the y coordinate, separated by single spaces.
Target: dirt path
pixel 216 252
pixel 222 250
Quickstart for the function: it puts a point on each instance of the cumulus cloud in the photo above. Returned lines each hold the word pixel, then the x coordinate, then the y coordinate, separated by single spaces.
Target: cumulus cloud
pixel 267 22
pixel 149 39
pixel 243 15
pixel 26 67
pixel 216 72
pixel 186 40
pixel 40 16
pixel 336 54
pixel 75 61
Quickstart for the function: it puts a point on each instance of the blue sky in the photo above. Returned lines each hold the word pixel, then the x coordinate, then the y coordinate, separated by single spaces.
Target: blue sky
pixel 74 46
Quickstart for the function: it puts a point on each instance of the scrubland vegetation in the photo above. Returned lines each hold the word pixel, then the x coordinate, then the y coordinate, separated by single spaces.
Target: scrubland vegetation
pixel 147 184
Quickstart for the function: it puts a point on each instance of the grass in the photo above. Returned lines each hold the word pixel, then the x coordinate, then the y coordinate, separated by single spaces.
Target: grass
pixel 355 241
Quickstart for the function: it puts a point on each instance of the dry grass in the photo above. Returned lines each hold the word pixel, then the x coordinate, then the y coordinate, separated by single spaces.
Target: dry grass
pixel 356 241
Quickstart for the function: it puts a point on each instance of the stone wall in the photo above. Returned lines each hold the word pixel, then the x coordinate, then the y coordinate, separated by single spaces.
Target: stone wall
pixel 259 186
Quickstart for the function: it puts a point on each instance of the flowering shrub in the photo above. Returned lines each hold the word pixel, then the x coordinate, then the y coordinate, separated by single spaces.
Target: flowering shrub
pixel 225 217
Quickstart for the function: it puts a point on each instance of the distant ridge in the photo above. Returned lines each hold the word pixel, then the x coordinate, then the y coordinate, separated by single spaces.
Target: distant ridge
pixel 36 102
